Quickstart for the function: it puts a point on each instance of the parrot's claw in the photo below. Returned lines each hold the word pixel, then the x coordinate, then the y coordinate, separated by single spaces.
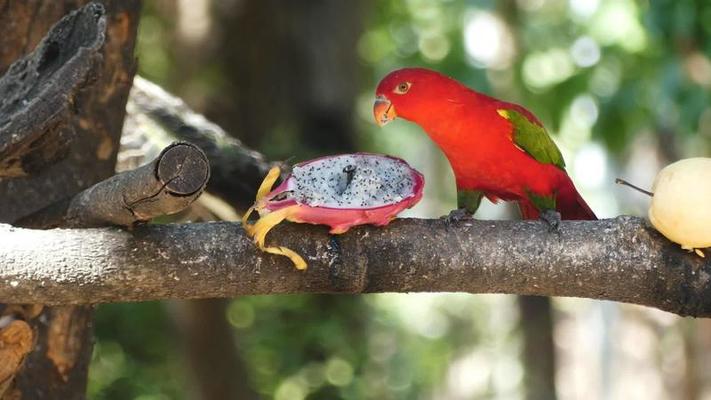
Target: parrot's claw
pixel 457 215
pixel 552 218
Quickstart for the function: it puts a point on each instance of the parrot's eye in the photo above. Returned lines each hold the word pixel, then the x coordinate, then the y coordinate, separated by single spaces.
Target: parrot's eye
pixel 402 88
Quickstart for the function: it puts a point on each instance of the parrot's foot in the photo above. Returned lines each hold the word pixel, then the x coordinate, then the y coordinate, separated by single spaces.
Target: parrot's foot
pixel 552 218
pixel 457 215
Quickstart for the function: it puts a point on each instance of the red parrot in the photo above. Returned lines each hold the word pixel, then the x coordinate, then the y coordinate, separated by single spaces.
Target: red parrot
pixel 496 149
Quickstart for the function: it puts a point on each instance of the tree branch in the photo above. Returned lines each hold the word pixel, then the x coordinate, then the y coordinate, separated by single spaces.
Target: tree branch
pixel 620 259
pixel 165 186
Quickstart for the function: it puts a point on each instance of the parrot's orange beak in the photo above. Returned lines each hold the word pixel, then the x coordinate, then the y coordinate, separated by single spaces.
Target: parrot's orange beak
pixel 383 111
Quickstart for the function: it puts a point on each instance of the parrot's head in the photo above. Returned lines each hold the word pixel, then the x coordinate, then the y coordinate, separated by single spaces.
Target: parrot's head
pixel 413 94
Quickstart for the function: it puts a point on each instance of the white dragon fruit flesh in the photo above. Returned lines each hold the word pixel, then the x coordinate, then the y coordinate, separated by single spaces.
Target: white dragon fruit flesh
pixel 339 191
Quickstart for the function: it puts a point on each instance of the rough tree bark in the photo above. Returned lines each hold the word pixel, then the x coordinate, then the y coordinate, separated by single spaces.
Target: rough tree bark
pixel 15 342
pixel 95 112
pixel 621 259
pixel 38 93
pixel 69 149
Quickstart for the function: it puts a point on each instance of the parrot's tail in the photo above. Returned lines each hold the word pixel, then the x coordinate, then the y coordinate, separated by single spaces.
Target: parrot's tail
pixel 569 203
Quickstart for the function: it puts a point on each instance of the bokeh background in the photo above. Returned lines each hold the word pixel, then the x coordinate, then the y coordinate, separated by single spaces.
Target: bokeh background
pixel 622 85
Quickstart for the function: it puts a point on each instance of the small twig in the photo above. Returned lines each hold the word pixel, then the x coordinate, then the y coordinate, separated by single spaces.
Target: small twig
pixel 165 186
pixel 155 115
pixel 620 181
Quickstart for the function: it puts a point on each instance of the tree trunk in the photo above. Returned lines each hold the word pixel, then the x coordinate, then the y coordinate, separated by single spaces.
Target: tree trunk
pixel 58 365
pixel 290 73
pixel 218 369
pixel 536 322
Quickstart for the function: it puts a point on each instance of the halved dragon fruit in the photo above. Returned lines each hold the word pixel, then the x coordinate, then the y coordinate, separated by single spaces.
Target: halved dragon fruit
pixel 339 191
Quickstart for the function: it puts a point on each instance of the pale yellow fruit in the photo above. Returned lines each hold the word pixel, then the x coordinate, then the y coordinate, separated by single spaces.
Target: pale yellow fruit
pixel 681 205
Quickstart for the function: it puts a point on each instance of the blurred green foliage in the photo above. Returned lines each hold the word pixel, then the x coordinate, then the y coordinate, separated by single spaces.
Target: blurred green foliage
pixel 601 70
pixel 135 354
pixel 644 64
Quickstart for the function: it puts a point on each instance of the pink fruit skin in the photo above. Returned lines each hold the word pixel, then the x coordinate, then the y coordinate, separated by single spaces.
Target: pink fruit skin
pixel 342 219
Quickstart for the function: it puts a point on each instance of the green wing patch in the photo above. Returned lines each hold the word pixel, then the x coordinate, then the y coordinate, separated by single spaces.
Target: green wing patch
pixel 542 202
pixel 533 139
